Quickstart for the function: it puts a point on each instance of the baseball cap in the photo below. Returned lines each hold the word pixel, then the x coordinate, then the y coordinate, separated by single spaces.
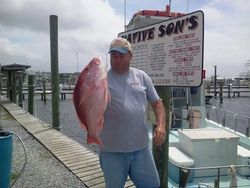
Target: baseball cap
pixel 120 45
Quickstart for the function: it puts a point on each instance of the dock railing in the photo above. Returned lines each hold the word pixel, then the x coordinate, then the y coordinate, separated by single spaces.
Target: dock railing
pixel 187 170
pixel 234 121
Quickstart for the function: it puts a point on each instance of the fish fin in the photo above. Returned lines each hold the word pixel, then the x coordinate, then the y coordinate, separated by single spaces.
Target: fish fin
pixel 109 98
pixel 83 125
pixel 94 140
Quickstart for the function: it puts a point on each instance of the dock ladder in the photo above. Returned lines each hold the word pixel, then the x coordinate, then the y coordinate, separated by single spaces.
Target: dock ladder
pixel 180 102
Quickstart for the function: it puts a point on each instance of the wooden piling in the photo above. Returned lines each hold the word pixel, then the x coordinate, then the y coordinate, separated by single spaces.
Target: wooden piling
pixel 1 128
pixel 20 89
pixel 161 153
pixel 54 70
pixel 221 92
pixel 13 86
pixel 44 92
pixel 31 94
pixel 229 90
pixel 215 81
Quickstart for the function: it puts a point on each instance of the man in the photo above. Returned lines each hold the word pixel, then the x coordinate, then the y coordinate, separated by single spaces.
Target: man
pixel 124 135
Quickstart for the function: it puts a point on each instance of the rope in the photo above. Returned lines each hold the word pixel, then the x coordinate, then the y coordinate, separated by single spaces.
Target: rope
pixel 232 173
pixel 25 162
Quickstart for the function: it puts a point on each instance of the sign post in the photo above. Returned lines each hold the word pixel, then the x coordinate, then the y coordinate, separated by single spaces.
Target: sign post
pixel 171 53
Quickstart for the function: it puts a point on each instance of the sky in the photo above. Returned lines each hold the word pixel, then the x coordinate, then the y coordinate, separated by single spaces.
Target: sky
pixel 86 28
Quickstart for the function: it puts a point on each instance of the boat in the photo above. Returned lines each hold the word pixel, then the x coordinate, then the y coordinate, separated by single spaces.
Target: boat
pixel 201 152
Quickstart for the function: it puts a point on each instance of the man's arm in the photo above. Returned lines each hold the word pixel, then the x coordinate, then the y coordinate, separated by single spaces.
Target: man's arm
pixel 160 115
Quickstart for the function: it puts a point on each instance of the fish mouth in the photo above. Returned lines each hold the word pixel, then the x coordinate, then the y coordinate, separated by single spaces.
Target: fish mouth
pixel 97 61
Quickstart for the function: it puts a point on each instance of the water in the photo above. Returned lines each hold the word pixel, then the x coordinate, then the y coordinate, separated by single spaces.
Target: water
pixel 240 105
pixel 70 125
pixel 233 113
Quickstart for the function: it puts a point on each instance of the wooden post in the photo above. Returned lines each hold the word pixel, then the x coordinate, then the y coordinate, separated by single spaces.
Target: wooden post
pixel 221 92
pixel 229 90
pixel 8 84
pixel 248 127
pixel 161 154
pixel 14 86
pixel 1 128
pixel 54 70
pixel 44 92
pixel 31 94
pixel 208 88
pixel 20 89
pixel 215 81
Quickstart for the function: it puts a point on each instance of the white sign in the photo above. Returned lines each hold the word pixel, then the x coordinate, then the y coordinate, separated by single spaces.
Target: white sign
pixel 170 52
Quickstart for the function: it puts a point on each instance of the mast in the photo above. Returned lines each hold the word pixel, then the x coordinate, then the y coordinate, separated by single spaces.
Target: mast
pixel 125 15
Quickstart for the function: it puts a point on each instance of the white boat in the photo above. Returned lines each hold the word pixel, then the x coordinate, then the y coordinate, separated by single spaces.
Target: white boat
pixel 211 152
pixel 202 152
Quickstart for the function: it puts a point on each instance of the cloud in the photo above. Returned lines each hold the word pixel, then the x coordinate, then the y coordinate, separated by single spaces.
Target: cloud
pixel 86 27
pixel 226 37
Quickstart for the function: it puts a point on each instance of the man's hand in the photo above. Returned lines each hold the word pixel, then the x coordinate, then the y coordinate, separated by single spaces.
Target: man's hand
pixel 160 131
pixel 159 135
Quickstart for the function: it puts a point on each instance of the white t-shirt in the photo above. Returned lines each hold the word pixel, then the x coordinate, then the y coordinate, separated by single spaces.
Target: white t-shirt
pixel 124 128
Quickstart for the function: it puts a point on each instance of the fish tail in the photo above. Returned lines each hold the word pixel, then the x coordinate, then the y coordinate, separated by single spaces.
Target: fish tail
pixel 94 140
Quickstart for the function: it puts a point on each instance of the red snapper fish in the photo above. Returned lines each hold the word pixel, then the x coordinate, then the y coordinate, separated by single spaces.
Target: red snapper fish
pixel 90 98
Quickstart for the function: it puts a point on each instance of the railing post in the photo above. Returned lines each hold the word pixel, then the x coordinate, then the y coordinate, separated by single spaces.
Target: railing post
pixel 208 115
pixel 248 127
pixel 235 121
pixel 224 119
pixel 218 178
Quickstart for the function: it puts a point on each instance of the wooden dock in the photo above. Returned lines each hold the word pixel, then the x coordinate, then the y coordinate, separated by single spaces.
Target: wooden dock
pixel 78 159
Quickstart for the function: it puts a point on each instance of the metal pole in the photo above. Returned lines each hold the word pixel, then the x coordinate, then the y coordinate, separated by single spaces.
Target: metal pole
pixel 215 81
pixel 54 70
pixel 77 68
pixel 125 4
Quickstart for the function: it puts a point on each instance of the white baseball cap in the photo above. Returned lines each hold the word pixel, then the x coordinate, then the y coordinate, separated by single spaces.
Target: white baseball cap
pixel 120 45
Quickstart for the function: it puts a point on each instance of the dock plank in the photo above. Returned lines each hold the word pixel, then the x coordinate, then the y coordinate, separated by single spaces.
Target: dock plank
pixel 82 162
pixel 92 176
pixel 86 168
pixel 96 181
pixel 102 185
pixel 73 168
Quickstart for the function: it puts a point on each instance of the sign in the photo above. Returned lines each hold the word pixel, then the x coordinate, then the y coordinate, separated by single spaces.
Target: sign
pixel 170 52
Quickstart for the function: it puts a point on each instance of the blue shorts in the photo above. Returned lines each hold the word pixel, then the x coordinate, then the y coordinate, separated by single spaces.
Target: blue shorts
pixel 138 165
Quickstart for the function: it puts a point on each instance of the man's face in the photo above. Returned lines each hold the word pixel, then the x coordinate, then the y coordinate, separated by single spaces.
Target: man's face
pixel 120 62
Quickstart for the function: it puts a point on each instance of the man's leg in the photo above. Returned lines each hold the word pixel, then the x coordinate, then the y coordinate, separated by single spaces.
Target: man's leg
pixel 115 168
pixel 143 171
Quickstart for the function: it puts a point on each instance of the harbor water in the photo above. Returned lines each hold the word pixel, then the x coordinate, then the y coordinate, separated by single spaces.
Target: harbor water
pixel 70 125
